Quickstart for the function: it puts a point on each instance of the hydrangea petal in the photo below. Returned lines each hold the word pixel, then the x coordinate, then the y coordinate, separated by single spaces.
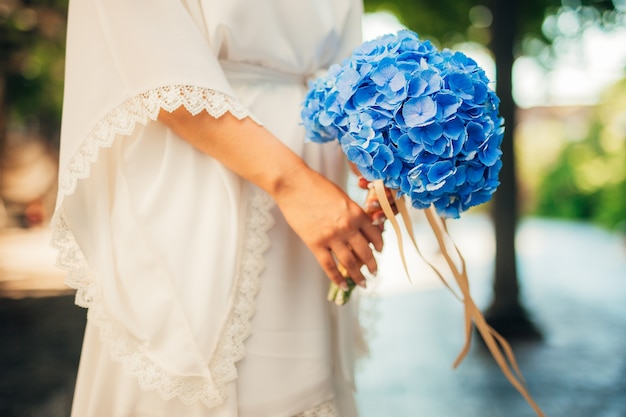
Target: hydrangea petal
pixel 419 111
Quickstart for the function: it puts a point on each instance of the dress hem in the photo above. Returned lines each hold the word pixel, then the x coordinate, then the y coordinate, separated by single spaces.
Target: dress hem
pixel 206 387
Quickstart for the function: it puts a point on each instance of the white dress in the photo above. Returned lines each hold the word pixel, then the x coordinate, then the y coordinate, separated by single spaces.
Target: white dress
pixel 202 301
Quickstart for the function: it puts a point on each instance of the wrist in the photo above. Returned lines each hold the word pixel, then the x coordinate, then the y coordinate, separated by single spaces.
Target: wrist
pixel 290 175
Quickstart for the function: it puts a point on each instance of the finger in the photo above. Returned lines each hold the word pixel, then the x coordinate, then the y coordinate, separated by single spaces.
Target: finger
pixel 361 248
pixel 350 262
pixel 371 206
pixel 378 218
pixel 363 183
pixel 329 266
pixel 372 234
pixel 372 203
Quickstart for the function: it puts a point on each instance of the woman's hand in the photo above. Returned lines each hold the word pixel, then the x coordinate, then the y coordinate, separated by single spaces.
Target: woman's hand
pixel 334 227
pixel 372 204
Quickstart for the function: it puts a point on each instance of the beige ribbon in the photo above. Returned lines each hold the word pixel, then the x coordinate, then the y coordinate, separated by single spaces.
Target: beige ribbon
pixel 497 345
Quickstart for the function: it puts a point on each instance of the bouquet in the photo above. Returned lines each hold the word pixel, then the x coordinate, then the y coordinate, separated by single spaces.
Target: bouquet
pixel 423 123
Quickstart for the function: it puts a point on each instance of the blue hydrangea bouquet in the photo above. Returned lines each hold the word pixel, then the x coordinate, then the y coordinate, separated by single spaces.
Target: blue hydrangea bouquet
pixel 423 123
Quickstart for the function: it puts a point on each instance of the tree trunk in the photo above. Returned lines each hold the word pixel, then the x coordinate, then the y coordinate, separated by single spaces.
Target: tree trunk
pixel 506 313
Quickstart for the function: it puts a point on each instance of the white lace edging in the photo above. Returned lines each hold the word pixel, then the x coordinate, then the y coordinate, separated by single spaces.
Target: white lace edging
pixel 123 346
pixel 127 350
pixel 71 259
pixel 120 122
pixel 326 409
pixel 139 109
pixel 230 348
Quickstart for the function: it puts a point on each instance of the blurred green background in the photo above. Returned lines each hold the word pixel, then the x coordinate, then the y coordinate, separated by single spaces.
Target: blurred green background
pixel 566 117
pixel 570 152
pixel 32 50
pixel 569 91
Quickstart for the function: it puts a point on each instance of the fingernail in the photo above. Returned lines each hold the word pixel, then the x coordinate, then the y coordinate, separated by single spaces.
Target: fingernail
pixel 344 286
pixel 379 220
pixel 362 284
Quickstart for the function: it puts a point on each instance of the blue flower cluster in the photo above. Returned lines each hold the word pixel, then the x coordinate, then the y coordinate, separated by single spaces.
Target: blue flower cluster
pixel 422 120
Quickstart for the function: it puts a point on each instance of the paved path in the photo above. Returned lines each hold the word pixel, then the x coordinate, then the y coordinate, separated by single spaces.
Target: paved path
pixel 573 279
pixel 27 264
pixel 40 342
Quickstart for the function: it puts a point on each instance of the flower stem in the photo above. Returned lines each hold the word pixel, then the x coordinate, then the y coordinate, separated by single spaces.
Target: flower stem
pixel 339 296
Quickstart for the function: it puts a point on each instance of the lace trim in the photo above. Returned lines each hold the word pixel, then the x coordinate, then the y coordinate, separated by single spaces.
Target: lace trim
pixel 140 109
pixel 231 348
pixel 326 409
pixel 123 346
pixel 71 259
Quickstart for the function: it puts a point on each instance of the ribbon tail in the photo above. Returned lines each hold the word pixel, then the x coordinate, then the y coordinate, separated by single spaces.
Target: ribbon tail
pixel 490 336
pixel 492 339
pixel 379 187
pixel 468 339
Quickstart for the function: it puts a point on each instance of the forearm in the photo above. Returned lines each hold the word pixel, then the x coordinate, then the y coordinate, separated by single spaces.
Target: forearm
pixel 243 146
pixel 321 214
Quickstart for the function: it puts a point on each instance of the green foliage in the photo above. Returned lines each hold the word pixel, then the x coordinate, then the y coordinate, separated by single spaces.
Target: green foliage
pixel 438 20
pixel 32 50
pixel 448 22
pixel 451 21
pixel 588 179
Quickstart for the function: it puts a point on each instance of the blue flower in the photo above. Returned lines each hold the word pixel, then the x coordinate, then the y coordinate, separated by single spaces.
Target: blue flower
pixel 419 111
pixel 347 82
pixel 424 81
pixel 389 80
pixel 461 84
pixel 447 104
pixel 422 120
pixel 382 159
pixel 438 174
pixel 357 150
pixel 365 97
pixel 407 148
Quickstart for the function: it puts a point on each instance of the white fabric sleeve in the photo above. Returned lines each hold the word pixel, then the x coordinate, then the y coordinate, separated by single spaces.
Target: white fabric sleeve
pixel 125 61
pixel 117 51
